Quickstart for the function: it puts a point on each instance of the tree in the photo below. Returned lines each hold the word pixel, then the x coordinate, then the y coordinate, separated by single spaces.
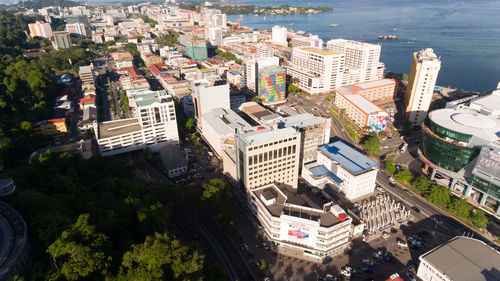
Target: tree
pixel 294 80
pixel 293 89
pixel 460 207
pixel 371 145
pixel 79 250
pixel 403 176
pixel 423 185
pixel 161 257
pixel 189 124
pixel 439 195
pixel 389 165
pixel 218 200
pixel 478 219
pixel 382 134
pixel 257 100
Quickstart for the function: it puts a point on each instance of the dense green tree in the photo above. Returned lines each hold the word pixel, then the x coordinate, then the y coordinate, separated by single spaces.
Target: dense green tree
pixel 423 185
pixel 403 176
pixel 218 200
pixel 382 134
pixel 389 165
pixel 78 253
pixel 292 88
pixel 189 124
pixel 257 100
pixel 460 207
pixel 439 195
pixel 371 145
pixel 132 49
pixel 478 219
pixel 161 257
pixel 171 39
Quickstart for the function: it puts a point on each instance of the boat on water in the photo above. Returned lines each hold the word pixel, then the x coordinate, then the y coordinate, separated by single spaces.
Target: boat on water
pixel 292 24
pixel 387 37
pixel 334 25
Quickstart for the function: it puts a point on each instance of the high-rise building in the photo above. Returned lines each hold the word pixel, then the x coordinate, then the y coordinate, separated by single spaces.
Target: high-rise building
pixel 77 29
pixel 207 97
pixel 311 41
pixel 86 74
pixel 278 36
pixel 214 35
pixel 265 156
pixel 361 60
pixel 251 70
pixel 40 29
pixel 154 126
pixel 61 39
pixel 423 77
pixel 318 70
pixel 109 20
pixel 272 85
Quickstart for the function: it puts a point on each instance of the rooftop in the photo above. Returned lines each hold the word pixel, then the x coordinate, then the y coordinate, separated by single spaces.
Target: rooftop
pixel 118 127
pixel 224 121
pixel 318 51
pixel 464 259
pixel 321 170
pixel 172 157
pixel 151 97
pixel 484 129
pixel 301 120
pixel 271 69
pixel 349 158
pixel 364 104
pixel 267 135
pixel 375 84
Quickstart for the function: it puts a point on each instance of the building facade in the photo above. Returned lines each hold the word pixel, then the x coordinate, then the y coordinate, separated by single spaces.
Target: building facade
pixel 61 40
pixel 251 69
pixel 272 85
pixel 361 60
pixel 266 156
pixel 154 125
pixel 297 229
pixel 278 35
pixel 423 76
pixel 318 70
pixel 40 29
pixel 311 41
pixel 207 97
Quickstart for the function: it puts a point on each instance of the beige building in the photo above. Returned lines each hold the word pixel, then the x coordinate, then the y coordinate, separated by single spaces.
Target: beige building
pixel 318 70
pixel 377 90
pixel 266 156
pixel 423 77
pixel 86 74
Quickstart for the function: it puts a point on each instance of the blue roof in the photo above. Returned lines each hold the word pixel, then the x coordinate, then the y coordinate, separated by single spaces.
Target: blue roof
pixel 234 72
pixel 322 170
pixel 349 158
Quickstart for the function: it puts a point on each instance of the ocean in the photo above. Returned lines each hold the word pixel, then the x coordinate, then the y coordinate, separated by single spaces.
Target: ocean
pixel 465 34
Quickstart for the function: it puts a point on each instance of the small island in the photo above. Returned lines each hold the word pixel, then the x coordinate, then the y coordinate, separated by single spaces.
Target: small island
pixel 245 9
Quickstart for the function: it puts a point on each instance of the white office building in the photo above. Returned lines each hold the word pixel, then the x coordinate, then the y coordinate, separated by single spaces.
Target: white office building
pixel 318 70
pixel 423 76
pixel 214 35
pixel 298 229
pixel 311 41
pixel 278 36
pixel 251 67
pixel 345 169
pixel 154 125
pixel 266 156
pixel 220 126
pixel 361 60
pixel 207 97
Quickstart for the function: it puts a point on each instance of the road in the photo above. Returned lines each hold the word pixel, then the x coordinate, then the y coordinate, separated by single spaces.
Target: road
pixel 216 243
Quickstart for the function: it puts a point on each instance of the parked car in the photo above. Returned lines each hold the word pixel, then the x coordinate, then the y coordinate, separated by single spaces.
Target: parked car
pixel 379 188
pixel 345 272
pixel 330 277
pixel 367 269
pixel 417 210
pixel 245 247
pixel 264 244
pixel 385 235
pixel 402 243
pixel 368 262
pixel 393 181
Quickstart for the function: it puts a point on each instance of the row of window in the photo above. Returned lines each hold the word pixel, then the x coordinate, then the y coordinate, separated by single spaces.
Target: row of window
pixel 273 154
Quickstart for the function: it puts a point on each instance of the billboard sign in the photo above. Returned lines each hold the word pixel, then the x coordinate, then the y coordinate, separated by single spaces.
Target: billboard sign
pixel 298 233
pixel 488 161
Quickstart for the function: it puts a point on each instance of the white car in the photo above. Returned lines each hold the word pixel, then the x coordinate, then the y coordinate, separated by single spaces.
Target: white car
pixel 379 188
pixel 264 244
pixel 402 243
pixel 345 272
pixel 385 235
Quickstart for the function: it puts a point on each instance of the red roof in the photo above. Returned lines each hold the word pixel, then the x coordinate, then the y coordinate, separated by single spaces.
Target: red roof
pixel 395 277
pixel 86 100
pixel 57 120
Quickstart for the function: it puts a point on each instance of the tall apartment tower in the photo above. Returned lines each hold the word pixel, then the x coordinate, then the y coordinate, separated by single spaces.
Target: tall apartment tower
pixel 272 85
pixel 267 156
pixel 423 76
pixel 251 70
pixel 279 35
pixel 214 35
pixel 206 97
pixel 361 59
pixel 318 70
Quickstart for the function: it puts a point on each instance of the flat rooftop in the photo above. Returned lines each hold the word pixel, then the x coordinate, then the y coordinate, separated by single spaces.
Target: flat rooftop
pixel 364 104
pixel 118 127
pixel 224 121
pixel 151 97
pixel 465 259
pixel 321 170
pixel 375 84
pixel 349 158
pixel 318 51
pixel 301 120
pixel 267 135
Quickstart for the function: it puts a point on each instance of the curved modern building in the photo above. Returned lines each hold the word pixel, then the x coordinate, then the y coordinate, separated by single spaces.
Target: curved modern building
pixel 461 144
pixel 455 136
